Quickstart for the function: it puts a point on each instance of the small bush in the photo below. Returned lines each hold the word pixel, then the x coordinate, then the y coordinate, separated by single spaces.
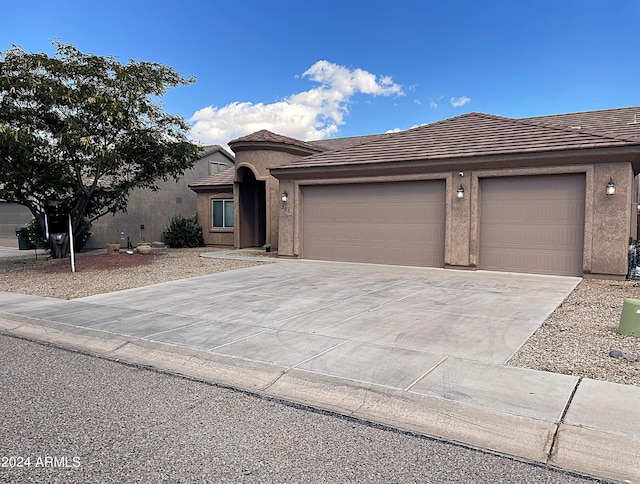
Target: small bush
pixel 183 232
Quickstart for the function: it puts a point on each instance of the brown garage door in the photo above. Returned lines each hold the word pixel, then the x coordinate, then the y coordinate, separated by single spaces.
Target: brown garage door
pixel 382 223
pixel 532 224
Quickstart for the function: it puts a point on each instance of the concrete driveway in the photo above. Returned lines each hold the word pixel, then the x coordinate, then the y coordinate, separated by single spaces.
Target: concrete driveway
pixel 313 315
pixel 416 348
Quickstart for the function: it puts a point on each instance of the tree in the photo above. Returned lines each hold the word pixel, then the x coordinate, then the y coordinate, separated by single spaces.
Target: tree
pixel 79 131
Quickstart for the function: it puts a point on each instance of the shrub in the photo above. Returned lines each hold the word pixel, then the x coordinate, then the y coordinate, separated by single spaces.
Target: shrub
pixel 183 232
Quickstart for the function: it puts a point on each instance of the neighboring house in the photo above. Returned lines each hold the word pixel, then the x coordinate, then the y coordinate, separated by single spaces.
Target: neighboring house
pixel 12 216
pixel 472 192
pixel 154 210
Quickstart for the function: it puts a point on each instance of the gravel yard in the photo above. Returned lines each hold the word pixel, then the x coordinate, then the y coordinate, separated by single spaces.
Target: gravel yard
pixel 578 336
pixel 576 339
pixel 99 273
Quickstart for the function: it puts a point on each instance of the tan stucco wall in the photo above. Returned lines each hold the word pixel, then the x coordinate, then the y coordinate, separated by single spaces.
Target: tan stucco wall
pixel 611 216
pixel 607 218
pixel 458 235
pixel 153 209
pixel 12 216
pixel 213 236
pixel 259 162
pixel 289 243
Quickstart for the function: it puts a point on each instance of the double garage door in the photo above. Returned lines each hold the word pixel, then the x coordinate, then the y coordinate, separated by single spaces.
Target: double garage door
pixel 527 224
pixel 382 223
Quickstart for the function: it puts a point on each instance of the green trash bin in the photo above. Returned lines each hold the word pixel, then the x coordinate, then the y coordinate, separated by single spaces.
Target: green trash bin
pixel 23 238
pixel 630 318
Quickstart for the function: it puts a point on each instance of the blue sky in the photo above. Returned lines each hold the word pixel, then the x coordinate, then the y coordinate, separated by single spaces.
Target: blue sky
pixel 314 69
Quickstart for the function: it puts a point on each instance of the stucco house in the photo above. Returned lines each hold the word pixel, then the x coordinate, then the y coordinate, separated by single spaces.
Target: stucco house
pixel 146 208
pixel 153 210
pixel 12 216
pixel 552 195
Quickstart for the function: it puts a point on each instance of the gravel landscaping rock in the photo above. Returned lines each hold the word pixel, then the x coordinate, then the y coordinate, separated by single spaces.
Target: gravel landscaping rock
pixel 577 338
pixel 98 272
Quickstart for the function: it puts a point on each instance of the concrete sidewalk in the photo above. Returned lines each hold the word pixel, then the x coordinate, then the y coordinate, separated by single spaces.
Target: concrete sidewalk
pixel 415 348
pixel 15 252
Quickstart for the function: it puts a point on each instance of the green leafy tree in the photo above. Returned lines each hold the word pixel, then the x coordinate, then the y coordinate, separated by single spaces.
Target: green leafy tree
pixel 79 131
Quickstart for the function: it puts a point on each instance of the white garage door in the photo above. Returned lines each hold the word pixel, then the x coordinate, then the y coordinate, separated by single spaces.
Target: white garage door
pixel 532 224
pixel 382 223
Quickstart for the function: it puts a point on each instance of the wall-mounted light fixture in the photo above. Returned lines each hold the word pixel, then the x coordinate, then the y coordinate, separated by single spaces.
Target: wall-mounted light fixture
pixel 284 198
pixel 460 191
pixel 611 187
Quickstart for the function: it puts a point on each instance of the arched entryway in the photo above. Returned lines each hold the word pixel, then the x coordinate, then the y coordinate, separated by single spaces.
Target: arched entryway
pixel 252 209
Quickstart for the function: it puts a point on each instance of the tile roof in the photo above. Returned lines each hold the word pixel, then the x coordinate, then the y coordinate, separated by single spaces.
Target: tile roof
pixel 207 150
pixel 334 144
pixel 618 123
pixel 269 137
pixel 224 177
pixel 468 135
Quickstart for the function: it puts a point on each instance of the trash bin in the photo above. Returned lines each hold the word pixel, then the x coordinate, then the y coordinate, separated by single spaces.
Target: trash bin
pixel 23 238
pixel 630 318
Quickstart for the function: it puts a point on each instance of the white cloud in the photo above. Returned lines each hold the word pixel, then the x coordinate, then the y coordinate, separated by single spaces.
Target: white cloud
pixel 457 102
pixel 433 103
pixel 398 130
pixel 308 115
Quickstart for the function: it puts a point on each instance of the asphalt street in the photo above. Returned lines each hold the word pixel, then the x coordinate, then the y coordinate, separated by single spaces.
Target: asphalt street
pixel 69 417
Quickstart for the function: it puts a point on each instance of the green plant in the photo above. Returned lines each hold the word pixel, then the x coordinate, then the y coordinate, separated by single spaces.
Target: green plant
pixel 84 131
pixel 183 232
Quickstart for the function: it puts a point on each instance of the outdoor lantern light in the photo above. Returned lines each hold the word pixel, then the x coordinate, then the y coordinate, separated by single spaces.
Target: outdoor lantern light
pixel 611 187
pixel 460 191
pixel 285 195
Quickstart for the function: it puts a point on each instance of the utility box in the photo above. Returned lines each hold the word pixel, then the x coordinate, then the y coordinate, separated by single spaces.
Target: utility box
pixel 630 318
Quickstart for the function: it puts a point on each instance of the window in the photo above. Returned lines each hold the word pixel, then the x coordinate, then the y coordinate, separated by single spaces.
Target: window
pixel 216 167
pixel 222 213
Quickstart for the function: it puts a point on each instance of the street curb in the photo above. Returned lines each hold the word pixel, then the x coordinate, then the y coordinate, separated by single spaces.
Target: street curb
pixel 559 445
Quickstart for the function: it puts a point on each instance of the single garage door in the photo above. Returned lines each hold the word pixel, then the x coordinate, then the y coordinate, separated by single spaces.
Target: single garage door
pixel 532 224
pixel 383 223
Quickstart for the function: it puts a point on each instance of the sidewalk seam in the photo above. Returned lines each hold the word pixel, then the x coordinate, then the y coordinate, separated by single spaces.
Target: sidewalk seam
pixel 554 441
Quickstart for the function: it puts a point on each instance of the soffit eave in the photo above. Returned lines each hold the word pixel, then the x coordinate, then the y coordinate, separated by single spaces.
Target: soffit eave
pixel 208 188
